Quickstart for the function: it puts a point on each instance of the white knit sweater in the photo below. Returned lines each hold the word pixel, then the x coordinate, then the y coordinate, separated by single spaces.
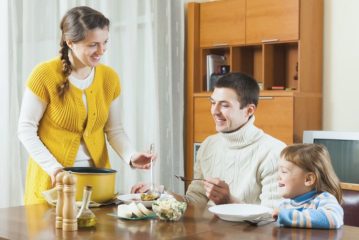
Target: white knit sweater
pixel 245 159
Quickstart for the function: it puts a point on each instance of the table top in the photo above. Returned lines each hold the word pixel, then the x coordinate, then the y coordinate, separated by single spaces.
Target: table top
pixel 38 222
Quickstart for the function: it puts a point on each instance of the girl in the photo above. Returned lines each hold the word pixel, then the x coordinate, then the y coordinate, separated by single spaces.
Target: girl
pixel 311 188
pixel 70 103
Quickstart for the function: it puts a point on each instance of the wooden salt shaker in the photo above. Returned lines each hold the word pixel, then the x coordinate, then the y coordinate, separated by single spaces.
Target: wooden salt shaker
pixel 69 220
pixel 60 199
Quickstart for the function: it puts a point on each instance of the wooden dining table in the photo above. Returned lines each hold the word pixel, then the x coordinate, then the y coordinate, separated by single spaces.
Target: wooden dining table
pixel 38 222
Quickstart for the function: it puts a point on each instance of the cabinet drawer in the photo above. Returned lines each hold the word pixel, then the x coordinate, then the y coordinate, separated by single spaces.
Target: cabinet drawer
pixel 222 23
pixel 275 116
pixel 203 121
pixel 275 20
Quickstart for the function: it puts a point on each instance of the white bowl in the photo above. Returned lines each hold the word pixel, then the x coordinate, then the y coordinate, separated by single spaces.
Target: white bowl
pixel 134 197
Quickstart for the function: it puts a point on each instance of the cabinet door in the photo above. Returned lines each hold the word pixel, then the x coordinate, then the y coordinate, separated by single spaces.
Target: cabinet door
pixel 222 23
pixel 203 121
pixel 275 116
pixel 275 20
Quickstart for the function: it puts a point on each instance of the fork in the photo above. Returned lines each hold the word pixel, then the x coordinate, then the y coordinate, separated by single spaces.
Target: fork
pixel 188 180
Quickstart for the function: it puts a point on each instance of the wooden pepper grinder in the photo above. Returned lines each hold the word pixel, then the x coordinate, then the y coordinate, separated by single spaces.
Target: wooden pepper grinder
pixel 60 199
pixel 69 211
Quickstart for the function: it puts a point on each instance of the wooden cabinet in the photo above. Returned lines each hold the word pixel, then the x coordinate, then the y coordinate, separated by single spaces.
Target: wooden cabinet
pixel 272 20
pixel 203 121
pixel 275 116
pixel 222 23
pixel 291 61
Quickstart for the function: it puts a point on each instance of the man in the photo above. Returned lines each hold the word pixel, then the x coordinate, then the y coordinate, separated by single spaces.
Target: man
pixel 239 163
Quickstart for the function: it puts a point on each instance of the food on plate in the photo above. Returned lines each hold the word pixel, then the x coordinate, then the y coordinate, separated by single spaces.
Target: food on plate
pixel 123 211
pixel 143 209
pixel 149 196
pixel 168 208
pixel 132 210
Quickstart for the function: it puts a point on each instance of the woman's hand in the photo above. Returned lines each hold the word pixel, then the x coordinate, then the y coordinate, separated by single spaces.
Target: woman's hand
pixel 140 188
pixel 53 176
pixel 217 190
pixel 142 160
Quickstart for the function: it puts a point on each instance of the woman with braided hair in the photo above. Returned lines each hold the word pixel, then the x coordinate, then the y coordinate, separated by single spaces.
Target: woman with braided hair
pixel 70 103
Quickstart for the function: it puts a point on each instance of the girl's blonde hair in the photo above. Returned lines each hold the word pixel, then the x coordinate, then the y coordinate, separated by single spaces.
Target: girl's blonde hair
pixel 315 158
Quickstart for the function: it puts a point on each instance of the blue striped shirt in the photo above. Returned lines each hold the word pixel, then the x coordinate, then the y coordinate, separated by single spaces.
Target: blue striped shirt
pixel 311 210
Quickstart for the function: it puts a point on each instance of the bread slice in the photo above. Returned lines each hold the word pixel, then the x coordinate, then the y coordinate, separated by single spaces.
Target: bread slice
pixel 143 209
pixel 133 208
pixel 124 211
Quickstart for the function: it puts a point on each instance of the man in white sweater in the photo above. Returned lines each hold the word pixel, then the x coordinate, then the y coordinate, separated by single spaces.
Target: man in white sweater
pixel 239 163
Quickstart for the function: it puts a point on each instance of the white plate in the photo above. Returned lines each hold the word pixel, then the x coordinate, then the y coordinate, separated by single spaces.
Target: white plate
pixel 134 197
pixel 241 212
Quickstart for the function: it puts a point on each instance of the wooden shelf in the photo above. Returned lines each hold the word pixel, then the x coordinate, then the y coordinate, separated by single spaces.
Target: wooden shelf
pixel 350 186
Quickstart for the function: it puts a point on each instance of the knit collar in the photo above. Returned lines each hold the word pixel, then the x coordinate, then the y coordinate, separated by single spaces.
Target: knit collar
pixel 299 200
pixel 244 136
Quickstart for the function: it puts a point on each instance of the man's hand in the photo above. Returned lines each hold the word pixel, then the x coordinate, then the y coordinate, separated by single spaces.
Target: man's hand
pixel 142 160
pixel 217 190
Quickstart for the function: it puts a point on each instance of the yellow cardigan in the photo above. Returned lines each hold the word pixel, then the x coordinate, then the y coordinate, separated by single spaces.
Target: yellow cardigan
pixel 66 121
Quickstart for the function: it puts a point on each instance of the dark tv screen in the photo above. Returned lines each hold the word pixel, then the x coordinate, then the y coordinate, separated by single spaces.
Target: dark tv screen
pixel 345 158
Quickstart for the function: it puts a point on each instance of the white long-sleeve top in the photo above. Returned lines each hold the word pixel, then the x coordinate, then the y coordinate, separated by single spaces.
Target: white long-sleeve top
pixel 32 110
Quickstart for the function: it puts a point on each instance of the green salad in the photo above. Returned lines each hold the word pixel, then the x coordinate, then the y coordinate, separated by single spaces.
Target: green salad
pixel 169 208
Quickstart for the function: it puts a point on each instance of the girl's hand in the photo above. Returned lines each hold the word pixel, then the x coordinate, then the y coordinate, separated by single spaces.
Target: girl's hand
pixel 275 213
pixel 142 160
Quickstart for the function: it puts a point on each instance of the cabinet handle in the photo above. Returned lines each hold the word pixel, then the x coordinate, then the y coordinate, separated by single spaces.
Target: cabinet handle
pixel 220 44
pixel 270 40
pixel 265 98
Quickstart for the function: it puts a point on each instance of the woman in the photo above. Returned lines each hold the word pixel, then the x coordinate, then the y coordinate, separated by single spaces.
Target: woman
pixel 70 102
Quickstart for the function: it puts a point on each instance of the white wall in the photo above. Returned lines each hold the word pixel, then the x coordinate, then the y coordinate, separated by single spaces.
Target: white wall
pixel 341 65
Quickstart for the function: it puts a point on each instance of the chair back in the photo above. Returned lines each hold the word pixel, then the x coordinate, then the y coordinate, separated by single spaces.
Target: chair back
pixel 351 207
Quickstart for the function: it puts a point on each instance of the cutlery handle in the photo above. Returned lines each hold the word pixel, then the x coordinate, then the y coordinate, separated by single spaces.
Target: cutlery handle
pixel 194 179
pixel 152 151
